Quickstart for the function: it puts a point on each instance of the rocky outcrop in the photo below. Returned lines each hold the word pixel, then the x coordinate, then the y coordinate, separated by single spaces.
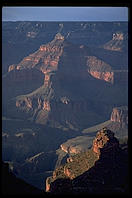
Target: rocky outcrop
pixel 117 43
pixel 11 67
pixel 45 59
pixel 46 80
pixel 28 103
pixel 48 182
pixel 107 76
pixel 46 106
pixel 118 36
pixel 105 142
pixel 103 71
pixel 104 145
pixel 120 115
pixel 99 69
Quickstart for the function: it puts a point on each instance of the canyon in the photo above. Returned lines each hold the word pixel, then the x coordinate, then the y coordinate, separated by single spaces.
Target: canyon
pixel 61 84
pixel 56 63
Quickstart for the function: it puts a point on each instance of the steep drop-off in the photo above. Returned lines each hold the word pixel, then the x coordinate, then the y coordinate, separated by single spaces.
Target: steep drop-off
pixel 73 79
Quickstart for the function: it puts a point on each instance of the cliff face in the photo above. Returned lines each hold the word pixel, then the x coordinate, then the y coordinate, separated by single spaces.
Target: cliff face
pixel 99 69
pixel 88 171
pixel 120 114
pixel 105 142
pixel 56 64
pixel 29 104
pixel 28 36
pixel 118 42
pixel 107 76
pixel 45 59
pixel 66 71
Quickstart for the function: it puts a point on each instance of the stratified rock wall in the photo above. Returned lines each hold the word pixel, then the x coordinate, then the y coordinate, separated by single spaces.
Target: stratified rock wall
pixel 120 114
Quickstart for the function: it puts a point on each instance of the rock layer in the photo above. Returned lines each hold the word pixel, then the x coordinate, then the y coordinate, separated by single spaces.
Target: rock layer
pixel 120 115
pixel 105 142
pixel 68 71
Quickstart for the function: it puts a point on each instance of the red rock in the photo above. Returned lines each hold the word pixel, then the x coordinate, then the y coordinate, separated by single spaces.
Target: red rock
pixel 118 36
pixel 42 48
pixel 69 173
pixel 11 67
pixel 104 142
pixel 120 114
pixel 107 76
pixel 46 106
pixel 53 63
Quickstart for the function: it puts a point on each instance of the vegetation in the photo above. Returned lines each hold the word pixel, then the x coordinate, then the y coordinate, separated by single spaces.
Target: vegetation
pixel 80 163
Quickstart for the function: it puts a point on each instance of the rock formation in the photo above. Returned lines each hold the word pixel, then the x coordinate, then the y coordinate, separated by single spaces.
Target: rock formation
pixel 118 36
pixel 120 114
pixel 75 88
pixel 105 142
pixel 117 43
pixel 105 146
pixel 45 59
pixel 11 67
pixel 99 69
pixel 65 71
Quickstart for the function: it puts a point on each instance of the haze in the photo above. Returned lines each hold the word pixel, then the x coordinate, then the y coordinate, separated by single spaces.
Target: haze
pixel 65 14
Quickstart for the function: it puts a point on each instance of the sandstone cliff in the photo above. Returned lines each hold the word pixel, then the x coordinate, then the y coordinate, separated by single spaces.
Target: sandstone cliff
pixel 99 69
pixel 105 142
pixel 120 114
pixel 118 42
pixel 45 59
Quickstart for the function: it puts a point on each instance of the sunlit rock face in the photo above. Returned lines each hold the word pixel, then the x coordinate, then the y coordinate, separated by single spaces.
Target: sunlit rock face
pixel 105 142
pixel 11 67
pixel 120 115
pixel 118 36
pixel 99 69
pixel 45 59
pixel 107 76
pixel 105 147
pixel 117 43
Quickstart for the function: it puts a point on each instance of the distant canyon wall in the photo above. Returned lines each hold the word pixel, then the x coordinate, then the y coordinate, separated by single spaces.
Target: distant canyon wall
pixel 120 114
